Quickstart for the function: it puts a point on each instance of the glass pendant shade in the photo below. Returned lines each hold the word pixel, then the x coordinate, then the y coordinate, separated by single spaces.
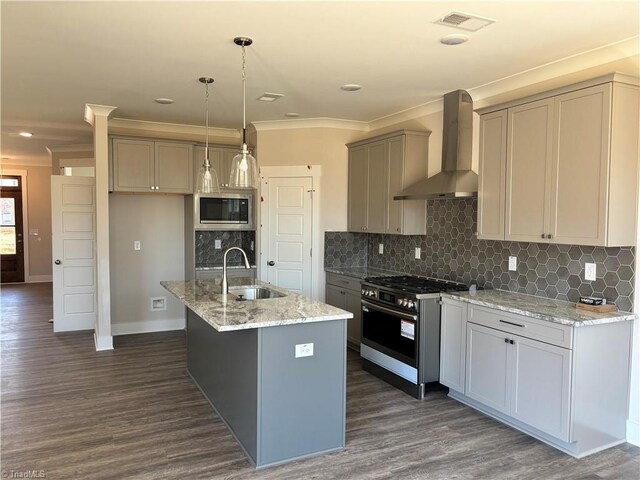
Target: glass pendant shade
pixel 207 178
pixel 244 170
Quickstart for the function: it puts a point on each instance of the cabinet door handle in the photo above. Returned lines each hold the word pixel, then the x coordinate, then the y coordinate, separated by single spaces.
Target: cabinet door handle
pixel 511 342
pixel 549 236
pixel 543 236
pixel 506 340
pixel 511 323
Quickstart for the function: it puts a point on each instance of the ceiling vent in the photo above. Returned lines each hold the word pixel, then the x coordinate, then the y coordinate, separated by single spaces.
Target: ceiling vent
pixel 464 21
pixel 270 97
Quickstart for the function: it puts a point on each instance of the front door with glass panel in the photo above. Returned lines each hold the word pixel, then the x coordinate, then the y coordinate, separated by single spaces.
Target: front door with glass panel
pixel 11 235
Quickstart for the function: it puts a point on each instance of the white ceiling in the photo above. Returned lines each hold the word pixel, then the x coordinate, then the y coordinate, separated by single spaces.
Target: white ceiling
pixel 58 56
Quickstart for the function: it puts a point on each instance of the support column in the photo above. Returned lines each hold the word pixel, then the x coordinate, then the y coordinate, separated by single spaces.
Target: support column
pixel 98 117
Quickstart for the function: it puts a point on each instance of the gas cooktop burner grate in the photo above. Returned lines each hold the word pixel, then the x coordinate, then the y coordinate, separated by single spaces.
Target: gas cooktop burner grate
pixel 411 284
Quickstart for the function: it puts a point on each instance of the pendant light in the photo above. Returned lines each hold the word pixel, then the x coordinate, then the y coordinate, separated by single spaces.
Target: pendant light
pixel 207 176
pixel 244 169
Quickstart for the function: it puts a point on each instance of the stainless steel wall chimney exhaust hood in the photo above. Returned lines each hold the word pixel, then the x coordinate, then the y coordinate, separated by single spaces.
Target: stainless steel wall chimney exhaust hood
pixel 456 180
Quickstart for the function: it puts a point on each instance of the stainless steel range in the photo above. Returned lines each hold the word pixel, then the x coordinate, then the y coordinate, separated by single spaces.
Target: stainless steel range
pixel 401 330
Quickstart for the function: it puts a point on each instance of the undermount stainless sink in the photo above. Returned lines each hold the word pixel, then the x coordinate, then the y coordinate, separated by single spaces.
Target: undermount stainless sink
pixel 254 293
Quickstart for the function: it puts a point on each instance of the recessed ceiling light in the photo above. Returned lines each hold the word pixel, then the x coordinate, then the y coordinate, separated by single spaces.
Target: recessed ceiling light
pixel 270 97
pixel 26 134
pixel 165 101
pixel 351 87
pixel 292 115
pixel 454 39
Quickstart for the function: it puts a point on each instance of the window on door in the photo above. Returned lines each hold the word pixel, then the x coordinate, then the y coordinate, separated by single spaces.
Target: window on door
pixel 11 235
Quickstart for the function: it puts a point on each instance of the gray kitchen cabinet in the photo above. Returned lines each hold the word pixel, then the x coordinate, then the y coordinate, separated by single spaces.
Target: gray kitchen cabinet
pixel 492 175
pixel 344 292
pixel 453 344
pixel 150 166
pixel 571 166
pixel 488 373
pixel 541 377
pixel 231 273
pixel 220 157
pixel 379 168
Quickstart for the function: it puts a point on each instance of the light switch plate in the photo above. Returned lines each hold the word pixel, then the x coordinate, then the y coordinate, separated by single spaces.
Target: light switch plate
pixel 590 271
pixel 136 245
pixel 417 253
pixel 304 350
pixel 217 244
pixel 513 264
pixel 381 248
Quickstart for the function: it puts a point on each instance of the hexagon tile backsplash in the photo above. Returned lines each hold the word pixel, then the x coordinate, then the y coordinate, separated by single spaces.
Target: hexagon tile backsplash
pixel 450 250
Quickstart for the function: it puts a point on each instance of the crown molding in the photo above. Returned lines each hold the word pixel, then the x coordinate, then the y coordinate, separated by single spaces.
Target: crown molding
pixel 558 68
pixel 408 114
pixel 88 147
pixel 24 162
pixel 171 128
pixel 289 124
pixel 91 111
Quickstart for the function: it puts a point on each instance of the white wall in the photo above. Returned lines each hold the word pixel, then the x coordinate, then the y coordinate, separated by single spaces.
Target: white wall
pixel 157 221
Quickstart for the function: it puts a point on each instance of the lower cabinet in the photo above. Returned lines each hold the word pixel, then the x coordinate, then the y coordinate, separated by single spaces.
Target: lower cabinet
pixel 567 386
pixel 344 292
pixel 231 273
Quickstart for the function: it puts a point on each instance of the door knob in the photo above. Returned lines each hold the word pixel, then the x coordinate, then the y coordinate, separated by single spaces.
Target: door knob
pixel 271 263
pixel 57 262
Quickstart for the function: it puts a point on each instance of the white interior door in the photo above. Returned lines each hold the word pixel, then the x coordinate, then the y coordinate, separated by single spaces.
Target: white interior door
pixel 289 229
pixel 73 222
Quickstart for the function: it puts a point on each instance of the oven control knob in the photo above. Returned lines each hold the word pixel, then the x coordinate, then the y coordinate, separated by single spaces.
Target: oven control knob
pixel 410 304
pixel 399 302
pixel 404 302
pixel 363 291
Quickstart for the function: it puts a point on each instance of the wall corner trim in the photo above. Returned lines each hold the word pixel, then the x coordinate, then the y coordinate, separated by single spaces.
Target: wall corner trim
pixel 103 342
pixel 633 432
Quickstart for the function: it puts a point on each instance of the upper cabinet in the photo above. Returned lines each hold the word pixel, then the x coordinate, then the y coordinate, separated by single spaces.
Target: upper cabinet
pixel 220 159
pixel 561 169
pixel 149 166
pixel 380 168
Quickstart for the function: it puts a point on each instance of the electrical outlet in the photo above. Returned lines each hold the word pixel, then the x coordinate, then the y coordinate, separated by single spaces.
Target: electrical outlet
pixel 217 244
pixel 417 253
pixel 304 350
pixel 590 271
pixel 136 245
pixel 380 248
pixel 513 264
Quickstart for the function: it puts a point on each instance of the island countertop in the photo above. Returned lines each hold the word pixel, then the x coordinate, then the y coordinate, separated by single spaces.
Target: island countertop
pixel 550 310
pixel 225 313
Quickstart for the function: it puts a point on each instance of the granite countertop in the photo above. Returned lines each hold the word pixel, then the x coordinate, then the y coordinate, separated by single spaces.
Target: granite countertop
pixel 361 272
pixel 550 310
pixel 225 313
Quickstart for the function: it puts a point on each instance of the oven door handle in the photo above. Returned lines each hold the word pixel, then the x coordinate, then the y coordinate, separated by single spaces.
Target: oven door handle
pixel 395 313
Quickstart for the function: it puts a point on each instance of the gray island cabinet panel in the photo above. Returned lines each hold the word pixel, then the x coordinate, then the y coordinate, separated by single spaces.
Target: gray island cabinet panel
pixel 539 365
pixel 279 407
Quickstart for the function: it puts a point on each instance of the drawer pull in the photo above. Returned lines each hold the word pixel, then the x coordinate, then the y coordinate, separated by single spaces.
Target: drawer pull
pixel 514 324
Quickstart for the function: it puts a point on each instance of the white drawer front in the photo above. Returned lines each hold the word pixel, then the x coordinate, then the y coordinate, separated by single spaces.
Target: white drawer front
pixel 548 332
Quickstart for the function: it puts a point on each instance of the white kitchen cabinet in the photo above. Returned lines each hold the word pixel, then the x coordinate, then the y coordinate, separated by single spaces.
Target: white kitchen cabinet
pixel 565 385
pixel 344 292
pixel 151 167
pixel 571 166
pixel 380 168
pixel 453 344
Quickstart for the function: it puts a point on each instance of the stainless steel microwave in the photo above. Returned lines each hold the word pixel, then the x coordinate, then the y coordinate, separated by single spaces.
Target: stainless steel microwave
pixel 223 211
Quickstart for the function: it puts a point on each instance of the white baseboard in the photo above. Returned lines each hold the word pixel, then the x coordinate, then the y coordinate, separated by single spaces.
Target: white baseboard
pixel 39 278
pixel 633 432
pixel 103 342
pixel 148 326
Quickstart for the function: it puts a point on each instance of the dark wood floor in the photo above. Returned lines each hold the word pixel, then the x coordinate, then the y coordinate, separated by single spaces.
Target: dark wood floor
pixel 72 412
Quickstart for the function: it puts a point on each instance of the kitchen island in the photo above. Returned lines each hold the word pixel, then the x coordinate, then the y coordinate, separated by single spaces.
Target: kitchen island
pixel 273 369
